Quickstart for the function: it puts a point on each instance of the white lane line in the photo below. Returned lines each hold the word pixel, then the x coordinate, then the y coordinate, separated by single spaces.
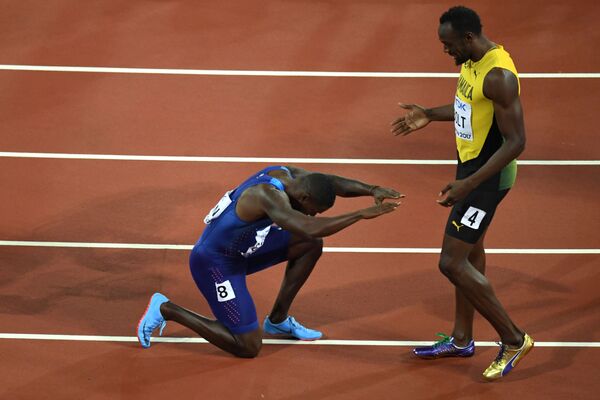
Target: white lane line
pixel 325 342
pixel 400 250
pixel 85 245
pixel 273 160
pixel 328 74
pixel 437 250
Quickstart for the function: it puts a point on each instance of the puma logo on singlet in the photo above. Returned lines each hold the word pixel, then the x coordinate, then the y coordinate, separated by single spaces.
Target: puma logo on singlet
pixel 457 226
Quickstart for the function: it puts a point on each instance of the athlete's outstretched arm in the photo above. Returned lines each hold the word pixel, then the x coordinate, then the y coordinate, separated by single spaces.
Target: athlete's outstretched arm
pixel 277 206
pixel 500 86
pixel 419 117
pixel 346 187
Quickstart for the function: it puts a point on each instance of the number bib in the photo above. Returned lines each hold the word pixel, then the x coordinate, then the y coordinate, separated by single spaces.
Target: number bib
pixel 219 208
pixel 462 120
pixel 224 291
pixel 473 217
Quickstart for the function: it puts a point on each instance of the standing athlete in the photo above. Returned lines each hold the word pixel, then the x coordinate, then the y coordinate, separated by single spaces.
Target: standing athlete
pixel 268 219
pixel 490 134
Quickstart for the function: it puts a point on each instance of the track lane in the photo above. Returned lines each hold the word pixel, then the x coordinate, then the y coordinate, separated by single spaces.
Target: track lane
pixel 268 34
pixel 133 202
pixel 109 371
pixel 392 297
pixel 266 117
pixel 103 292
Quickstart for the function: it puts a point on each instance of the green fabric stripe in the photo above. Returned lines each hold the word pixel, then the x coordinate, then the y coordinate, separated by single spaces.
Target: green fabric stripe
pixel 508 176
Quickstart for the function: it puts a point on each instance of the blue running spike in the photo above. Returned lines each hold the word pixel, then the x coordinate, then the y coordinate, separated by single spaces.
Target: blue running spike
pixel 151 320
pixel 445 348
pixel 291 327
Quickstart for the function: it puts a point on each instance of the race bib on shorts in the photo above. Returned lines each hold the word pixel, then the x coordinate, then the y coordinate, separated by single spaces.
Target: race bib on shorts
pixel 219 208
pixel 473 218
pixel 224 291
pixel 462 120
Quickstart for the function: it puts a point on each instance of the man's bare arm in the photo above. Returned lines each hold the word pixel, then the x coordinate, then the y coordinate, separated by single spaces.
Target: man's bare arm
pixel 346 187
pixel 419 117
pixel 277 206
pixel 442 113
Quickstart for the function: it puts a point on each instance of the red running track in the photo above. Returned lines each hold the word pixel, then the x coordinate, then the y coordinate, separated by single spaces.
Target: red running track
pixel 350 296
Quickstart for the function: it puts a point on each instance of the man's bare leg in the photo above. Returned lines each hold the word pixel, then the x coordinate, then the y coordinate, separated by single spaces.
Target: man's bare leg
pixel 463 319
pixel 455 265
pixel 303 256
pixel 245 345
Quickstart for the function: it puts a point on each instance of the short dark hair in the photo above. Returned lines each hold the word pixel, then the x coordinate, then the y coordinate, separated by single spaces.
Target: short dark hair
pixel 321 189
pixel 462 19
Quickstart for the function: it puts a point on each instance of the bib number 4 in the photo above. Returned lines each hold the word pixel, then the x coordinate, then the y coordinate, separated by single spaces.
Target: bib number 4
pixel 473 218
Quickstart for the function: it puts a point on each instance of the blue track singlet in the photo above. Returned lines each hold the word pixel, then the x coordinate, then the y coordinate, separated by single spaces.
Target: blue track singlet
pixel 226 234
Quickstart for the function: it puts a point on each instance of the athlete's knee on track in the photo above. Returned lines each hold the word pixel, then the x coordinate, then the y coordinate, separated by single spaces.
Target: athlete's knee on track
pixel 248 351
pixel 249 345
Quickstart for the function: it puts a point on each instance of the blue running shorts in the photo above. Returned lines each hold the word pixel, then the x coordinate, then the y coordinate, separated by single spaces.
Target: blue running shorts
pixel 222 279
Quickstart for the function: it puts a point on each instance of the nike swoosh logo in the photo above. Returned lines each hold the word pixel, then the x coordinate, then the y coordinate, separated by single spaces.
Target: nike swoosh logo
pixel 281 330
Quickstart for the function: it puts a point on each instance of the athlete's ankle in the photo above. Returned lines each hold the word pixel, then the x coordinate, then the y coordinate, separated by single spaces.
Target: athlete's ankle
pixel 461 340
pixel 165 310
pixel 277 318
pixel 515 341
pixel 462 344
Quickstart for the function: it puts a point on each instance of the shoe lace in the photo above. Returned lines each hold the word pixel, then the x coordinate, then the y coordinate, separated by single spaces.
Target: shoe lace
pixel 445 339
pixel 500 355
pixel 295 324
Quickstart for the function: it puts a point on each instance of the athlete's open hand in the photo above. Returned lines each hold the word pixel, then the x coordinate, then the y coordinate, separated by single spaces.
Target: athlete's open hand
pixel 455 192
pixel 379 209
pixel 381 193
pixel 413 120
